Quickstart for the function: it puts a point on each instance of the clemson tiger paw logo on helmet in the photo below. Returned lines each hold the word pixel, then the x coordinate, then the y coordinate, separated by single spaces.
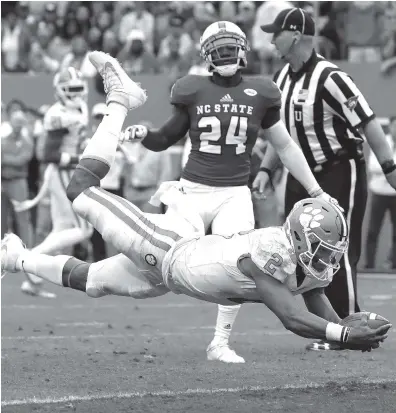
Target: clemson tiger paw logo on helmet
pixel 310 218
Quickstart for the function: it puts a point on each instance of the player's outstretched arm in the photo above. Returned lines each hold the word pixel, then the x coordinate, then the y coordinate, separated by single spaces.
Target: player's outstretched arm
pixel 318 304
pixel 278 298
pixel 174 129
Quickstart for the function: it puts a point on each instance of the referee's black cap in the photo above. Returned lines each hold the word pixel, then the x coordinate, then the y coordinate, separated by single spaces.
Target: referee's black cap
pixel 291 19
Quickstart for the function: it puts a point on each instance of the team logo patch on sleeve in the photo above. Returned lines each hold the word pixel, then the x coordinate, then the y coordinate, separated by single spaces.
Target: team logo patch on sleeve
pixel 250 92
pixel 351 102
pixel 151 260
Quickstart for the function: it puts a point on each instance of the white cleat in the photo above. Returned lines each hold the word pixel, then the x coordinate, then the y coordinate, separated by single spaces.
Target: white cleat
pixel 222 352
pixel 120 88
pixel 11 249
pixel 35 290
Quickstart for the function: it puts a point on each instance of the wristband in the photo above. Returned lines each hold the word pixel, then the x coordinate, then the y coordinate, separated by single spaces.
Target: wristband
pixel 388 166
pixel 336 332
pixel 269 172
pixel 263 169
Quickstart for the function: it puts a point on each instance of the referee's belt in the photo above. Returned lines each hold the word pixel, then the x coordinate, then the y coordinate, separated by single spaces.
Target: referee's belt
pixel 340 157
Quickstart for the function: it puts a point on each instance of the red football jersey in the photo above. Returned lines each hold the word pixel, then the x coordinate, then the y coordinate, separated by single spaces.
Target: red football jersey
pixel 224 124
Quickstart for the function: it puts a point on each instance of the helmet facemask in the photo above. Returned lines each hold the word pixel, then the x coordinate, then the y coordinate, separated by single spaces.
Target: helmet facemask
pixel 225 53
pixel 71 93
pixel 321 259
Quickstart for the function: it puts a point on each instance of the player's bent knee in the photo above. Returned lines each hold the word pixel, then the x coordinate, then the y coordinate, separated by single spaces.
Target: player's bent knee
pixel 83 178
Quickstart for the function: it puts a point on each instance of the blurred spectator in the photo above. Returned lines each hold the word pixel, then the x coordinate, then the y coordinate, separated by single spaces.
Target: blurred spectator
pixel 161 27
pixel 383 199
pixel 228 11
pixel 246 17
pixel 389 47
pixel 50 13
pixel 173 64
pixel 328 39
pixel 137 19
pixel 83 17
pixel 16 152
pixel 78 57
pixel 204 14
pixel 177 36
pixel 40 59
pixel 103 21
pixel 135 57
pixel 15 43
pixel 70 29
pixel 149 170
pixel 94 38
pixel 110 43
pixel 362 28
pixel 261 42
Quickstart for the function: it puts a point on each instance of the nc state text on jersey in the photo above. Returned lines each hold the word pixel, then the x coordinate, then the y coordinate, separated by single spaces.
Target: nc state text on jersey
pixel 225 108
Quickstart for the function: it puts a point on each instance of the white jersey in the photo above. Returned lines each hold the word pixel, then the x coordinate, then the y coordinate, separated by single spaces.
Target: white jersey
pixel 72 120
pixel 206 268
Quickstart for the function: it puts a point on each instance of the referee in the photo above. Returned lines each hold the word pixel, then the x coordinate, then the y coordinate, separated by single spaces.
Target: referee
pixel 326 114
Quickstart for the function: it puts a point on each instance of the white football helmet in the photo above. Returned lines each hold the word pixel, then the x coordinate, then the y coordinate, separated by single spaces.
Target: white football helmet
pixel 70 87
pixel 318 232
pixel 223 47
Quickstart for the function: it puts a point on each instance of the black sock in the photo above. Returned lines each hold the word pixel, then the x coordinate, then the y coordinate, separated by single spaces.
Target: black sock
pixel 75 274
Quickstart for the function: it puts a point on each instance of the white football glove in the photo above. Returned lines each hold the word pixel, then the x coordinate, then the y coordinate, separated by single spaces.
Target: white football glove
pixel 133 133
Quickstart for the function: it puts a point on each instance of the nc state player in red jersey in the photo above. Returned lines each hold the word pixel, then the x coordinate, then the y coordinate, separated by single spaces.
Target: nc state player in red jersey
pixel 223 114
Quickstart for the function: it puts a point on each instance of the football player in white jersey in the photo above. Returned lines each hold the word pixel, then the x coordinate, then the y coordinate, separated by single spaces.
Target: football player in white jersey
pixel 258 266
pixel 159 255
pixel 64 123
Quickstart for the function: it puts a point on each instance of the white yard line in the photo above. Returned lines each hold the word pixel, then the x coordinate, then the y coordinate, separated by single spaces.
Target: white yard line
pixel 185 332
pixel 175 393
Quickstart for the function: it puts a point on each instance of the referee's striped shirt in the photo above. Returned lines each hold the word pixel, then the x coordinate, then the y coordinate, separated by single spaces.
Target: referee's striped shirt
pixel 322 109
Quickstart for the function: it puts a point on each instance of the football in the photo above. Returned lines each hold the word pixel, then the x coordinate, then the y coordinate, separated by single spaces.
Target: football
pixel 373 320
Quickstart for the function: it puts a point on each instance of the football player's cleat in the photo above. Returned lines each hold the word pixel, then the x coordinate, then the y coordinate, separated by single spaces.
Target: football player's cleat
pixel 35 290
pixel 222 352
pixel 323 346
pixel 318 233
pixel 223 47
pixel 120 88
pixel 11 249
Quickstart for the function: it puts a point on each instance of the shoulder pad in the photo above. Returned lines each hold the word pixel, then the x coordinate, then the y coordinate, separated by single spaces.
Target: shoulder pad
pixel 267 89
pixel 271 244
pixel 184 90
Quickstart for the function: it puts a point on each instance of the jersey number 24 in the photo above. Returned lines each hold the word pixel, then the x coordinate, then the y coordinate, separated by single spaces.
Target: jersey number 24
pixel 215 134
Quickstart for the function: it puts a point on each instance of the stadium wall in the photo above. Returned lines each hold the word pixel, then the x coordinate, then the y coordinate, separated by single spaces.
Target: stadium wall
pixel 36 90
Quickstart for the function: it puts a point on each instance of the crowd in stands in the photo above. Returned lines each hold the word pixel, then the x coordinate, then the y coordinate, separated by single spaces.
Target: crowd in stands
pixel 163 37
